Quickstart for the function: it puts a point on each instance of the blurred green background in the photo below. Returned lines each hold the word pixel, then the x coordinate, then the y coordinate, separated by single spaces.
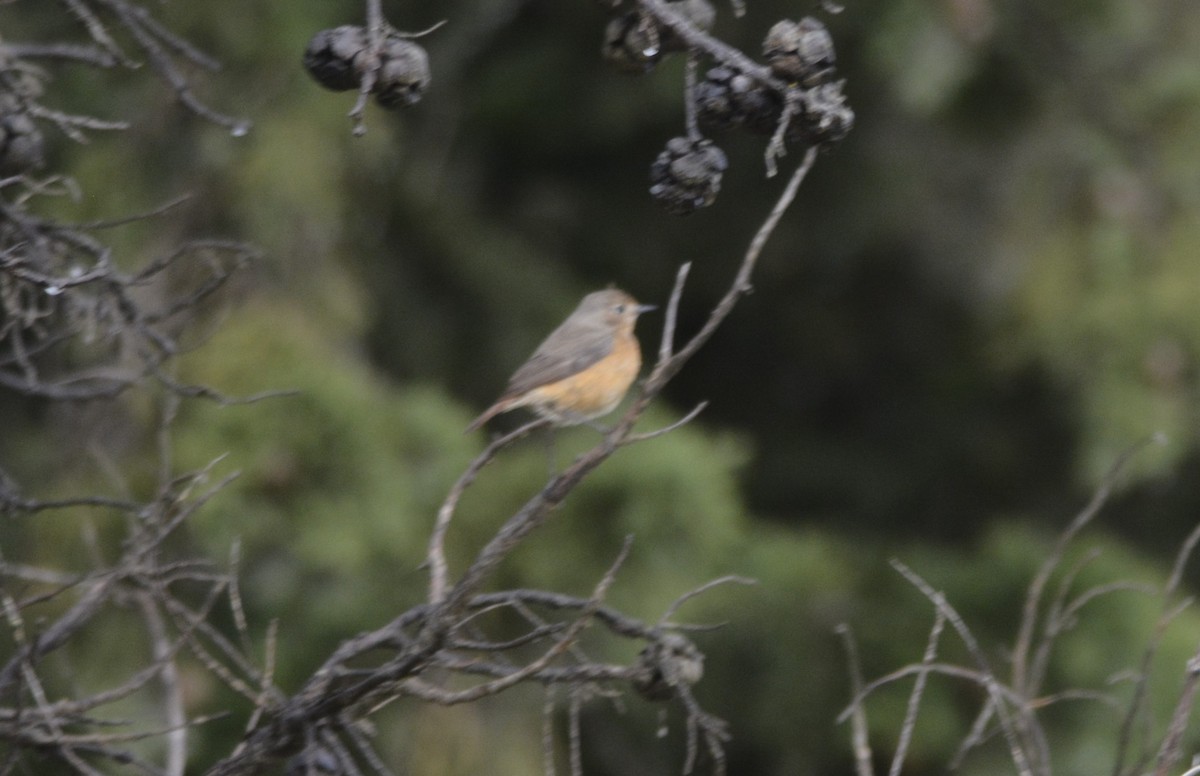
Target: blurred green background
pixel 980 299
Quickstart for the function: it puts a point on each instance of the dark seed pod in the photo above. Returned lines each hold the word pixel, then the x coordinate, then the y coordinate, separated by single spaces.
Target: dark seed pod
pixel 22 148
pixel 715 104
pixel 332 54
pixel 758 107
pixel 403 73
pixel 726 99
pixel 632 43
pixel 801 52
pixel 666 664
pixel 686 176
pixel 827 119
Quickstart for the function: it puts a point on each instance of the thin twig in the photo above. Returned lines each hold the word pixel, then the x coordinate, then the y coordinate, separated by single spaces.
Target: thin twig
pixel 975 736
pixel 568 638
pixel 1141 685
pixel 667 346
pixel 435 557
pixel 861 744
pixel 575 736
pixel 1020 757
pixel 647 435
pixel 175 716
pixel 681 600
pixel 1171 751
pixel 1029 616
pixel 918 691
pixel 777 147
pixel 377 30
pixel 702 41
pixel 548 732
pixel 690 110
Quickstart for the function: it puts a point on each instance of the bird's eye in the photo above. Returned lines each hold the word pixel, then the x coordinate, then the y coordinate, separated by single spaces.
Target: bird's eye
pixel 620 309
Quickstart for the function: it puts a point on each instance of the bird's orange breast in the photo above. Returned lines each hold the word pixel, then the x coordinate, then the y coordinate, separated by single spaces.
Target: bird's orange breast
pixel 594 391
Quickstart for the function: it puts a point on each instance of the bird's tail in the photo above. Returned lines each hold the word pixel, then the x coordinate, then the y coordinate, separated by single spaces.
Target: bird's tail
pixel 488 414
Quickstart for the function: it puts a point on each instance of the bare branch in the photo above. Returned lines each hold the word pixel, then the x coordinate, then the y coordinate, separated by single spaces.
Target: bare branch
pixel 436 555
pixel 855 711
pixel 548 732
pixel 531 669
pixel 574 706
pixel 1171 751
pixel 717 49
pixel 1017 749
pixel 681 600
pixel 175 717
pixel 647 435
pixel 914 699
pixel 667 347
pixel 1029 617
pixel 1141 685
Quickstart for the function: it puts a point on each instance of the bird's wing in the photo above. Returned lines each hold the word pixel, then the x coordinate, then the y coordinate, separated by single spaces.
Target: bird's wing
pixel 561 356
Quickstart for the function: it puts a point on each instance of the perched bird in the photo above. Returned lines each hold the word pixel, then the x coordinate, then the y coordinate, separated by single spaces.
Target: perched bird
pixel 583 369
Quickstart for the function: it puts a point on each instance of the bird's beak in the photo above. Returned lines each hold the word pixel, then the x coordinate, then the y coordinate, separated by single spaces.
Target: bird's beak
pixel 646 308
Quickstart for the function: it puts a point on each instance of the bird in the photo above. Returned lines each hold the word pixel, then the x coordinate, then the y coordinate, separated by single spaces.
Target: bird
pixel 583 369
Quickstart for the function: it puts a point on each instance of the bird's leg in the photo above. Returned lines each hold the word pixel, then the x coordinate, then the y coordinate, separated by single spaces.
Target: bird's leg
pixel 578 419
pixel 551 464
pixel 603 429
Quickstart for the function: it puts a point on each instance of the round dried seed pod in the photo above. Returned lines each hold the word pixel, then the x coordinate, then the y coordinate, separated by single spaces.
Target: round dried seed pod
pixel 686 176
pixel 666 664
pixel 757 107
pixel 632 43
pixel 801 51
pixel 331 55
pixel 403 73
pixel 715 104
pixel 827 119
pixel 726 98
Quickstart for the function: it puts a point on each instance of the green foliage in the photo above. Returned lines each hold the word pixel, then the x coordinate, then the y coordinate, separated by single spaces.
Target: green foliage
pixel 1107 235
pixel 1124 330
pixel 342 477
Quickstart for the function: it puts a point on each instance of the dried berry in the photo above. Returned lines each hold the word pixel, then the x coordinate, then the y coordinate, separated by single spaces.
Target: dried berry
pixel 801 52
pixel 632 43
pixel 339 58
pixel 726 98
pixel 332 55
pixel 403 73
pixel 827 119
pixel 686 176
pixel 666 664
